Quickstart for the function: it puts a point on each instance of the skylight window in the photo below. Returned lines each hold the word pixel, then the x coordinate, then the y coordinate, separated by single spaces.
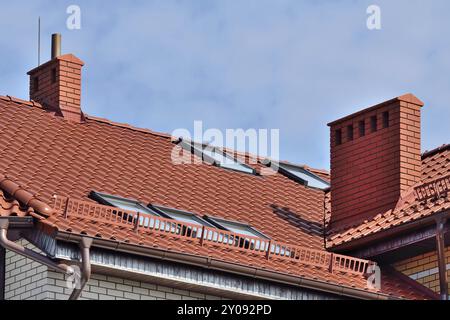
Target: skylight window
pixel 181 216
pixel 122 203
pixel 216 156
pixel 236 227
pixel 305 176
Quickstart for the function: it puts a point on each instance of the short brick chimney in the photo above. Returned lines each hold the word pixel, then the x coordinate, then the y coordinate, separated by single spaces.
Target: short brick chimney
pixel 56 84
pixel 375 155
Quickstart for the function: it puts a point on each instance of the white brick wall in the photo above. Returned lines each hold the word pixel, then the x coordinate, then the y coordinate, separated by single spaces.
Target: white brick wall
pixel 101 287
pixel 24 278
pixel 28 280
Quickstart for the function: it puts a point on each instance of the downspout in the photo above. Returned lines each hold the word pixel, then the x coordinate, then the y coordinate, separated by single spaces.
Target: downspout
pixel 85 246
pixel 14 247
pixel 440 245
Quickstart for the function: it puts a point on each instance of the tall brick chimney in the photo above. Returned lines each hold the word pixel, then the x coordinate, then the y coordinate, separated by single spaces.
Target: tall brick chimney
pixel 375 155
pixel 56 84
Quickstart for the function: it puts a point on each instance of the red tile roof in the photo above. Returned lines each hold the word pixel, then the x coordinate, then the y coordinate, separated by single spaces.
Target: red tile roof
pixel 419 202
pixel 44 155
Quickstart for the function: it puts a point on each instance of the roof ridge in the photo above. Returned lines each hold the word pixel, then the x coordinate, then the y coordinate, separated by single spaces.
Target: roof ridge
pixel 33 103
pixel 173 138
pixel 127 126
pixel 30 103
pixel 436 150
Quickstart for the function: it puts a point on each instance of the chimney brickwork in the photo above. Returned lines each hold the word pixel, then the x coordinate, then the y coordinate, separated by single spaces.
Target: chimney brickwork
pixel 375 155
pixel 57 84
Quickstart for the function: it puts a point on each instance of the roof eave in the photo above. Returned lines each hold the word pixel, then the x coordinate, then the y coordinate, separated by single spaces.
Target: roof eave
pixel 219 265
pixel 354 244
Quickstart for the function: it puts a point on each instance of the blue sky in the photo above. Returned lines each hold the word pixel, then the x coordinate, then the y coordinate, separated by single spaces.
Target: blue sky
pixel 290 65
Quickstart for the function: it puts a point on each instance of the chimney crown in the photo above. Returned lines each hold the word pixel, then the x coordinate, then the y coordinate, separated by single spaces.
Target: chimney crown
pixel 374 163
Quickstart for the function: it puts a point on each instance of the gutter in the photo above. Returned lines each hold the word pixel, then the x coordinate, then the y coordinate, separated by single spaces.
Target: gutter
pixel 218 265
pixel 42 259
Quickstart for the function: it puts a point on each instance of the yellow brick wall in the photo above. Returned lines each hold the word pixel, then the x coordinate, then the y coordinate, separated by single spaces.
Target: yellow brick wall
pixel 424 268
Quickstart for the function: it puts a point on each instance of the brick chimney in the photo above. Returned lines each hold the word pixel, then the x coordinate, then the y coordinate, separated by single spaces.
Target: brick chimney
pixel 56 84
pixel 375 156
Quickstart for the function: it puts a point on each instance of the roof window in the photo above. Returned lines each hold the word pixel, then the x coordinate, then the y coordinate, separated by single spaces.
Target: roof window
pixel 217 156
pixel 236 227
pixel 307 178
pixel 182 216
pixel 122 203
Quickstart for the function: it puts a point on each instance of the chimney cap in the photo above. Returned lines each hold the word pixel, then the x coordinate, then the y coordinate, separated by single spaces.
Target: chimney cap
pixel 56 45
pixel 409 97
